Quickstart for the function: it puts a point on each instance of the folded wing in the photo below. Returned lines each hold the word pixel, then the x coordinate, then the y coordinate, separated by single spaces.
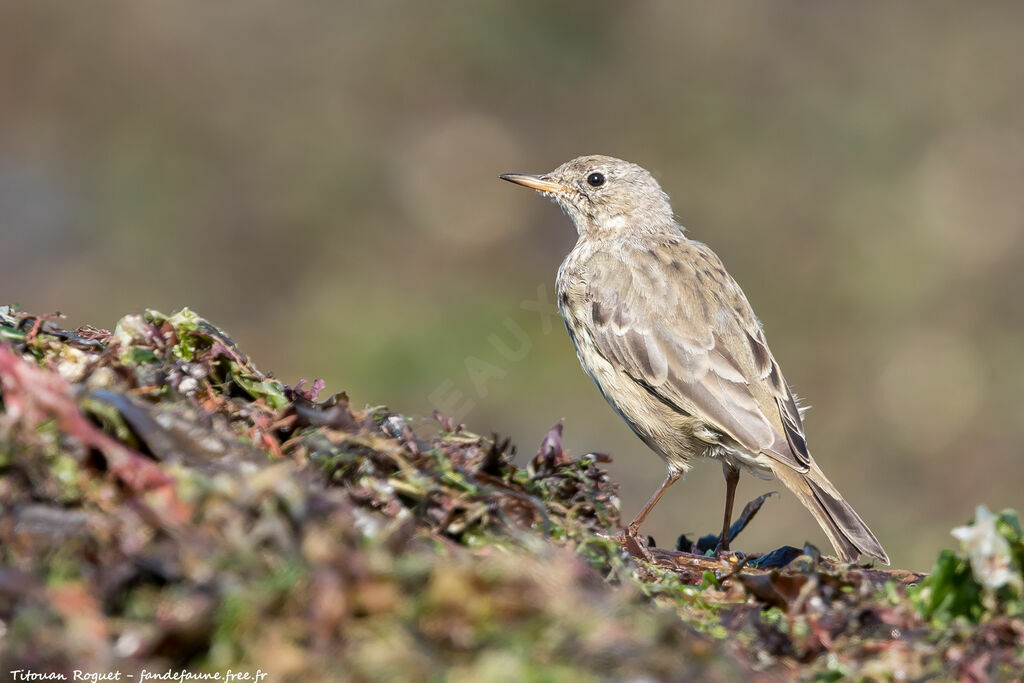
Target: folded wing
pixel 678 324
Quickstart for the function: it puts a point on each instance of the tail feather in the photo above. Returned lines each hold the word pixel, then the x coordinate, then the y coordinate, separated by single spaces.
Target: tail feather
pixel 849 535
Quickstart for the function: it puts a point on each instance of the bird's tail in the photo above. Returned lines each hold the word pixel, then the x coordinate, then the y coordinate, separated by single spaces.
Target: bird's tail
pixel 850 536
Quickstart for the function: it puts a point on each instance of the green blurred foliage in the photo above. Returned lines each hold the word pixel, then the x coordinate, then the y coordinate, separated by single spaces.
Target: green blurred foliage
pixel 956 587
pixel 325 172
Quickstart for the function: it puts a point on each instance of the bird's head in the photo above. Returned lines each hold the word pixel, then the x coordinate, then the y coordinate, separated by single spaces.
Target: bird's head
pixel 603 195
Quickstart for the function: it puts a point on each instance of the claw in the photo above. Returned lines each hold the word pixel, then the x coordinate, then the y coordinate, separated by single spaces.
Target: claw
pixel 631 543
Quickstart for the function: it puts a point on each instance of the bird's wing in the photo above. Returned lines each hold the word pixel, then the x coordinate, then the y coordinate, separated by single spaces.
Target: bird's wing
pixel 679 325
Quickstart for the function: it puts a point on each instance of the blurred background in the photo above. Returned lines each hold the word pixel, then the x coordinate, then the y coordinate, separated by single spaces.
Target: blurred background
pixel 320 180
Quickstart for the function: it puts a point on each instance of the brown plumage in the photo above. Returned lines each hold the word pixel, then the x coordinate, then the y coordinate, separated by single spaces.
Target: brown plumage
pixel 672 343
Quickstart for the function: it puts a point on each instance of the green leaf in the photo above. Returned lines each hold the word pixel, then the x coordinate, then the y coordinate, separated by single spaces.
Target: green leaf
pixel 139 355
pixel 270 391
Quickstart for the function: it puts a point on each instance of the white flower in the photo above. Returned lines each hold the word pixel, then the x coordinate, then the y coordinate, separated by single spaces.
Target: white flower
pixel 988 551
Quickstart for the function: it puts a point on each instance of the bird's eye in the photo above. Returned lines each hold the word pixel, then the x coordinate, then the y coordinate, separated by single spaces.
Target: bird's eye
pixel 595 179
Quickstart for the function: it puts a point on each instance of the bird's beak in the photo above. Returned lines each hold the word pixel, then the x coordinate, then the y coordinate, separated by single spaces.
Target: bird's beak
pixel 541 183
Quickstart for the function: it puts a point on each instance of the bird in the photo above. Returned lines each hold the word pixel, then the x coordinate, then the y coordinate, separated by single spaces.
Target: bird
pixel 675 348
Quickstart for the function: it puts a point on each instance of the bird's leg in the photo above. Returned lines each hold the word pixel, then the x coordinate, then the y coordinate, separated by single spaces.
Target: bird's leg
pixel 732 477
pixel 629 534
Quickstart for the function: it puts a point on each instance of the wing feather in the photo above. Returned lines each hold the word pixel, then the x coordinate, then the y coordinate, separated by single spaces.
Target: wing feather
pixel 694 344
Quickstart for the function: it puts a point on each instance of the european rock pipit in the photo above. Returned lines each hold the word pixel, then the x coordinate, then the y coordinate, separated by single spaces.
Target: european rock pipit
pixel 675 348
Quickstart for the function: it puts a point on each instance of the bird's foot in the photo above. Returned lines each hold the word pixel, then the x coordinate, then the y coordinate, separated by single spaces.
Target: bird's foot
pixel 633 544
pixel 722 552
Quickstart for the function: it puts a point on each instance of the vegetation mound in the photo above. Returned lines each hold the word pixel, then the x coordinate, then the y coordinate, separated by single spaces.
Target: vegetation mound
pixel 167 507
